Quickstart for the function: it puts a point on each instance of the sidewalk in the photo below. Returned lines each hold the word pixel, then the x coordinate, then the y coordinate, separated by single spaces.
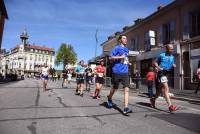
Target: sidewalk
pixel 186 95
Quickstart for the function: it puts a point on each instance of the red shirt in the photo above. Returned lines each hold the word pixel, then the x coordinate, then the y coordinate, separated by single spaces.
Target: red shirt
pixel 150 76
pixel 100 69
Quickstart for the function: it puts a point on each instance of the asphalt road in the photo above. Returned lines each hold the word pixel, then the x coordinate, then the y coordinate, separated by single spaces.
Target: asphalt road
pixel 26 109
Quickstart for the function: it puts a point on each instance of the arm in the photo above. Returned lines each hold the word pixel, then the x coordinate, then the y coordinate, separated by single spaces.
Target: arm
pixel 117 57
pixel 155 63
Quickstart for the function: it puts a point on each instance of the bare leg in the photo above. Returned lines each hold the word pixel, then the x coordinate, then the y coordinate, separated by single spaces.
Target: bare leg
pixel 126 95
pixel 112 91
pixel 165 89
pixel 99 89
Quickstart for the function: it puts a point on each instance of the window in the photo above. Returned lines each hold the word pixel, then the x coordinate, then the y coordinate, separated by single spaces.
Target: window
pixel 194 23
pixel 51 59
pixel 47 59
pixel 134 46
pixel 31 50
pixel 147 45
pixel 43 58
pixel 36 57
pixel 39 57
pixel 168 32
pixel 31 57
pixel 30 66
pixel 186 33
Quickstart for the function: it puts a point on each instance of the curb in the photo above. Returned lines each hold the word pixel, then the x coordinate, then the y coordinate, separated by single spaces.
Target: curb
pixel 172 97
pixel 185 99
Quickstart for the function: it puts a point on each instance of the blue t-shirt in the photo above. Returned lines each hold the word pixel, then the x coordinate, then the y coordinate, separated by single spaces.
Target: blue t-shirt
pixel 80 69
pixel 165 61
pixel 120 66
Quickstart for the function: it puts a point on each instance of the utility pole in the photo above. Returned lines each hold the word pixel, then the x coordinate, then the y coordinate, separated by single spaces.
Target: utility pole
pixel 96 38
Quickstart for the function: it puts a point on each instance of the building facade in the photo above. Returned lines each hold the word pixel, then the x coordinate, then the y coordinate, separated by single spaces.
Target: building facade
pixel 3 16
pixel 177 23
pixel 27 58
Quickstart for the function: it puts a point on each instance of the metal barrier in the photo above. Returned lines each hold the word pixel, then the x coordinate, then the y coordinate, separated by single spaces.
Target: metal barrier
pixel 107 82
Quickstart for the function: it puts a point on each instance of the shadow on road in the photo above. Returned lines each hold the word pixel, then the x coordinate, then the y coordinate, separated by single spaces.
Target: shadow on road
pixel 114 107
pixel 186 120
pixel 149 106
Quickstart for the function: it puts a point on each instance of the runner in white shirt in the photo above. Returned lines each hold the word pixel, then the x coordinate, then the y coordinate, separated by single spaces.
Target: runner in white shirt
pixel 45 77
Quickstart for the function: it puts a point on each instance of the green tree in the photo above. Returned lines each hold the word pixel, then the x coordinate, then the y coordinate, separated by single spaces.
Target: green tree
pixel 66 55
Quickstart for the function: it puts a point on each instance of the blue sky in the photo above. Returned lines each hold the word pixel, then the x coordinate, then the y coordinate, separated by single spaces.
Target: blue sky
pixel 52 22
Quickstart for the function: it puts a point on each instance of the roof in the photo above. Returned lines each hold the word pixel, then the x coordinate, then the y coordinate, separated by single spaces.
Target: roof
pixel 159 12
pixel 40 47
pixel 149 18
pixel 3 7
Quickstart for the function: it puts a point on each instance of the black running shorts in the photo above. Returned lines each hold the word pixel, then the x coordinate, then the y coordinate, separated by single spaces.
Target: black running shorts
pixel 123 78
pixel 99 80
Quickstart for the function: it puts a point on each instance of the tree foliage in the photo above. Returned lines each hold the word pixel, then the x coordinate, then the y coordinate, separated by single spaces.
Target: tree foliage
pixel 66 55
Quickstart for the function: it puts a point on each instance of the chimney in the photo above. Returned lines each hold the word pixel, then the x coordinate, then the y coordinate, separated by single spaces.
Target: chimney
pixel 138 20
pixel 160 7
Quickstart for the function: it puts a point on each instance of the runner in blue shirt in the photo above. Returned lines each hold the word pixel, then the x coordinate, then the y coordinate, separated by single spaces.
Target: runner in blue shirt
pixel 164 65
pixel 119 57
pixel 80 75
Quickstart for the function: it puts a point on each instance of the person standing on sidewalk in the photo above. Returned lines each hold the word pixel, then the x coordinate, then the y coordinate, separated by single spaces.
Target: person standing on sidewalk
pixel 80 75
pixel 198 76
pixel 100 72
pixel 150 77
pixel 165 64
pixel 137 79
pixel 119 57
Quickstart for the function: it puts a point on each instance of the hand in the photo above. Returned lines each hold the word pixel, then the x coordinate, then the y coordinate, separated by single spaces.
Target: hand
pixel 158 68
pixel 174 65
pixel 122 56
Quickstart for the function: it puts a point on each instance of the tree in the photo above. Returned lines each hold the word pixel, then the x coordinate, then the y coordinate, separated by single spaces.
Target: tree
pixel 66 55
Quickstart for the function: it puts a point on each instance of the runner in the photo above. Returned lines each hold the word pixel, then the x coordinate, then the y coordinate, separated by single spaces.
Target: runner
pixel 88 72
pixel 100 72
pixel 69 76
pixel 164 64
pixel 80 72
pixel 119 56
pixel 65 76
pixel 45 77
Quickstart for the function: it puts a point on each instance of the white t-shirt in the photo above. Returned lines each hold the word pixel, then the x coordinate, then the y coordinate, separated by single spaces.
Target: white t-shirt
pixel 45 71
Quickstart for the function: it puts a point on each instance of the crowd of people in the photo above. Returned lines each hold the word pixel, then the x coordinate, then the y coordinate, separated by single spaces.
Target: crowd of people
pixel 158 73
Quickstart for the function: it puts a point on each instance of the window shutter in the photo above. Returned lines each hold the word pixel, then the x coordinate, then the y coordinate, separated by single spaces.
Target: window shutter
pixel 172 31
pixel 185 29
pixel 160 36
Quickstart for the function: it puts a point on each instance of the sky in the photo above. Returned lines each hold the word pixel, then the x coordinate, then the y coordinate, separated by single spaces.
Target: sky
pixel 52 22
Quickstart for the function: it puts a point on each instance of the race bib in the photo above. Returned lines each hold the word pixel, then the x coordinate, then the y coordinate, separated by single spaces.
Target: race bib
pixel 100 74
pixel 163 79
pixel 125 60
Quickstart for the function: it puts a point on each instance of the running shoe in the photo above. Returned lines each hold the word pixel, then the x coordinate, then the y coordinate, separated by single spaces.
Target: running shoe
pixel 109 103
pixel 77 93
pixel 152 101
pixel 127 110
pixel 96 97
pixel 172 108
pixel 81 95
